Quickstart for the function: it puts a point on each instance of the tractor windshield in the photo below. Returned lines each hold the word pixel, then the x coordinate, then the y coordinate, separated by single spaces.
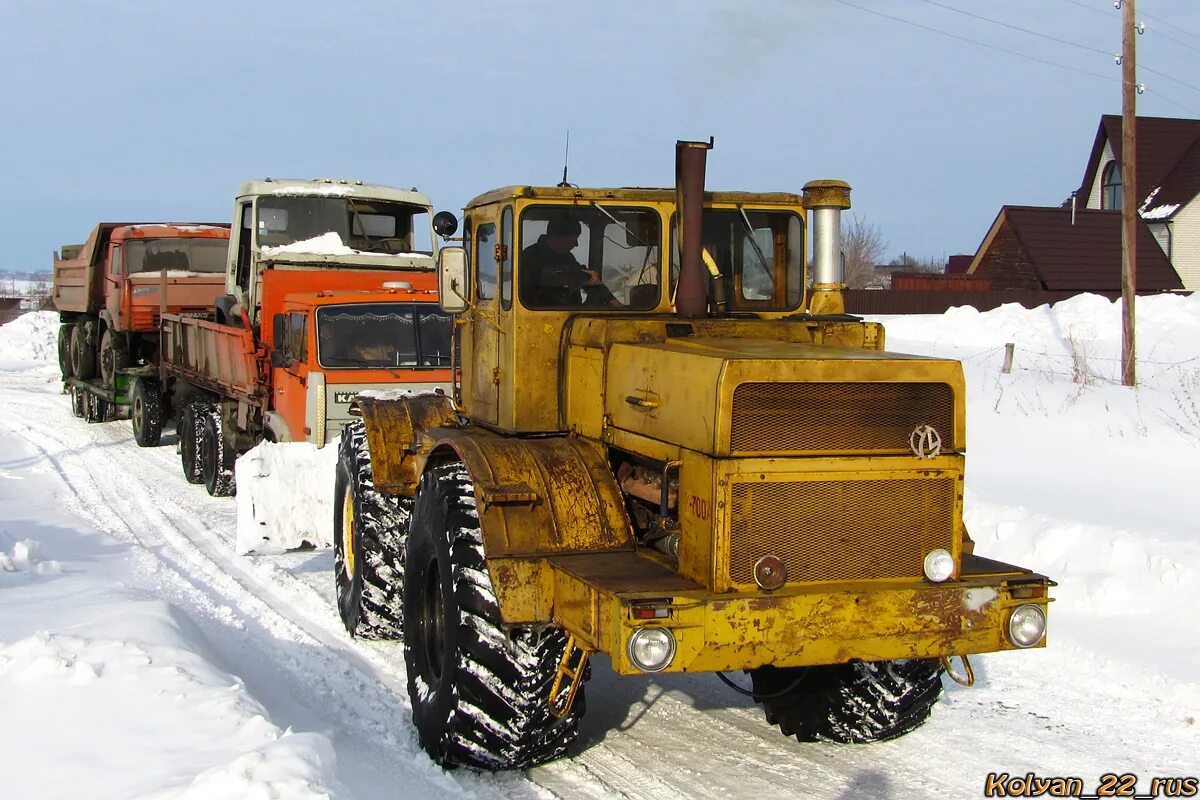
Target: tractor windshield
pixel 190 254
pixel 590 255
pixel 368 226
pixel 380 335
pixel 758 254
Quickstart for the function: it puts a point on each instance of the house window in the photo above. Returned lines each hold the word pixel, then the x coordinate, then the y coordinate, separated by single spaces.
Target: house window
pixel 1110 187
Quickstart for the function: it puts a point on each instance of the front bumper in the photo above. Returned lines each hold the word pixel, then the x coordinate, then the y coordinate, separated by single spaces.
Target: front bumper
pixel 599 597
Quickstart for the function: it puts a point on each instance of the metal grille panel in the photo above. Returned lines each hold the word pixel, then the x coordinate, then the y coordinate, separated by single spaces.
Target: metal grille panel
pixel 837 417
pixel 840 530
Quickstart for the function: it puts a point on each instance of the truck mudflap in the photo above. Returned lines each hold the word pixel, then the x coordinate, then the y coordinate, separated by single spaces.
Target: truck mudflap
pixel 603 599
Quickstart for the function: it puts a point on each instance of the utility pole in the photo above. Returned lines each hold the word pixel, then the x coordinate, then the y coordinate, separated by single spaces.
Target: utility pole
pixel 1129 198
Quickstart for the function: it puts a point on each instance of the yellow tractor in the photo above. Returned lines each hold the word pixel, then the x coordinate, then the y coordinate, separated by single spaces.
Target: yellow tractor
pixel 671 446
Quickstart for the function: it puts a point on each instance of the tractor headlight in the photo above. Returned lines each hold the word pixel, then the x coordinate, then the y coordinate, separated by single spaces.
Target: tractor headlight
pixel 651 649
pixel 939 565
pixel 1026 625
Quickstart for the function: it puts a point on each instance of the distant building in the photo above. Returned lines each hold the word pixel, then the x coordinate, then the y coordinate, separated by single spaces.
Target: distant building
pixel 1057 250
pixel 1168 177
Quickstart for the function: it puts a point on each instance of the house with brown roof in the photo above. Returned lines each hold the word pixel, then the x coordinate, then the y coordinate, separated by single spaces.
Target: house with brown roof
pixel 1168 178
pixel 1077 247
pixel 1066 250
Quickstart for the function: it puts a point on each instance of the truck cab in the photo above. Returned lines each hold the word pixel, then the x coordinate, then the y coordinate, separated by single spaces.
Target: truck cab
pixel 323 224
pixel 329 346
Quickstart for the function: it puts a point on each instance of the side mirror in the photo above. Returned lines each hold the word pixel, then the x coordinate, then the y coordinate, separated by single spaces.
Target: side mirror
pixel 279 359
pixel 452 279
pixel 445 224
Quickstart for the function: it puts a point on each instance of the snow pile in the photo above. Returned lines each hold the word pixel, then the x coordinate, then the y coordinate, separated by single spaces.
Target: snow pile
pixel 30 337
pixel 26 556
pixel 328 244
pixel 284 497
pixel 125 676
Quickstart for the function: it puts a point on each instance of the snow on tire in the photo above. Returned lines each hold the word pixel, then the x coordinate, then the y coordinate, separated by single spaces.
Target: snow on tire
pixel 216 462
pixel 369 530
pixel 479 691
pixel 189 440
pixel 850 703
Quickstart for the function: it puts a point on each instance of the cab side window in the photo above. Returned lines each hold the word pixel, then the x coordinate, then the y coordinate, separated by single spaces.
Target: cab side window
pixel 485 261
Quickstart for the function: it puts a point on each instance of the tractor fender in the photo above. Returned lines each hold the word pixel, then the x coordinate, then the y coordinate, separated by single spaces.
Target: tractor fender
pixel 539 497
pixel 535 498
pixel 396 429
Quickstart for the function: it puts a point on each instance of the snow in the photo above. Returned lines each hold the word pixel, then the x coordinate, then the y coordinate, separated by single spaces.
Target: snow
pixel 285 497
pixel 141 656
pixel 328 244
pixel 1162 212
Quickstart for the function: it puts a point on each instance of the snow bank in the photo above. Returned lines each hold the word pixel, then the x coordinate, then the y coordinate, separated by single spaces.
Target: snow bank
pixel 30 337
pixel 109 690
pixel 284 497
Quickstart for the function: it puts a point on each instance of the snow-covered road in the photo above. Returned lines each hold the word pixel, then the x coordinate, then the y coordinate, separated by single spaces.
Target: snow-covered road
pixel 1116 690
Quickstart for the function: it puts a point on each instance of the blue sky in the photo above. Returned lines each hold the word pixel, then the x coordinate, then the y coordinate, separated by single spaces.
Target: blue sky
pixel 158 110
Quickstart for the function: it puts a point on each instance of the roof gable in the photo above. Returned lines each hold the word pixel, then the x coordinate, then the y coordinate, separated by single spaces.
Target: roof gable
pixel 1162 143
pixel 1080 256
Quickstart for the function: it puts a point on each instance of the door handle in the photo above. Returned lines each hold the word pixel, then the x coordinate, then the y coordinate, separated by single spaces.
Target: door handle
pixel 642 403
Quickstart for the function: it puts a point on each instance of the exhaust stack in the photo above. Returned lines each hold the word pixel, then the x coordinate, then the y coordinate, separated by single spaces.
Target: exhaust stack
pixel 691 296
pixel 825 201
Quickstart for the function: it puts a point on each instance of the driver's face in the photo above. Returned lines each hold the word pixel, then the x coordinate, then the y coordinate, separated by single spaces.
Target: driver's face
pixel 564 243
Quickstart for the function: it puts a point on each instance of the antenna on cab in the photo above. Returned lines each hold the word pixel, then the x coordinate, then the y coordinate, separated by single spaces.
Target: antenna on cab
pixel 564 183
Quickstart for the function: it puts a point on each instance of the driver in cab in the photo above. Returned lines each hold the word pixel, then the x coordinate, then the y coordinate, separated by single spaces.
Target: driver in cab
pixel 551 275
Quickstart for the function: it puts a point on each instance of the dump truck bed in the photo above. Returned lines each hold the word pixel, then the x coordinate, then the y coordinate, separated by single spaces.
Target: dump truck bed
pixel 221 358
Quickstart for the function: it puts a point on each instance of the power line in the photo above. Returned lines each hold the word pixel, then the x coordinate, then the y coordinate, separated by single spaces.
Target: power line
pixel 1026 56
pixel 977 42
pixel 1017 28
pixel 1173 27
pixel 1089 7
pixel 1171 38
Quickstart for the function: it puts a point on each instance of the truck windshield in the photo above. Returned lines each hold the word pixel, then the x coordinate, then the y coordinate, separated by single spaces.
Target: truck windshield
pixel 759 255
pixel 369 226
pixel 190 254
pixel 377 335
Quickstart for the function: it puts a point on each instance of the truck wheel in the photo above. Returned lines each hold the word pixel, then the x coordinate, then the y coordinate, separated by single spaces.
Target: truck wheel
pixel 216 465
pixel 113 357
pixel 83 357
pixel 850 703
pixel 369 532
pixel 78 400
pixel 479 691
pixel 64 350
pixel 189 437
pixel 145 411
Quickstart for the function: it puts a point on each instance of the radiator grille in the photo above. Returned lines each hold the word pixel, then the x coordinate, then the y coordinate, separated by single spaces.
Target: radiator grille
pixel 840 530
pixel 837 417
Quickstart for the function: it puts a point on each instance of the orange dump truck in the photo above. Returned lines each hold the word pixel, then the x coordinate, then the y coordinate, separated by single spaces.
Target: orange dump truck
pixel 110 292
pixel 331 293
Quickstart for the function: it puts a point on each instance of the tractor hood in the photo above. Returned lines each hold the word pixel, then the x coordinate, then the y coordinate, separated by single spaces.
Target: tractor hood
pixel 761 397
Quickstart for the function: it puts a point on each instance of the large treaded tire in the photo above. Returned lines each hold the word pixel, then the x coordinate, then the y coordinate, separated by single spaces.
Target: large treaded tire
pixel 216 462
pixel 83 353
pixel 369 533
pixel 853 703
pixel 479 691
pixel 189 438
pixel 78 401
pixel 145 412
pixel 113 357
pixel 64 350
